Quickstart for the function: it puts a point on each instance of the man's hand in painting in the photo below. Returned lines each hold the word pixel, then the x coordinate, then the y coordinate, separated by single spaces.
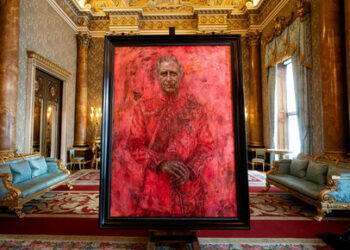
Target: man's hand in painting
pixel 178 171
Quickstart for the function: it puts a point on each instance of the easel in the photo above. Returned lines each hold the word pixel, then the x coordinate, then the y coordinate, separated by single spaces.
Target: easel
pixel 174 239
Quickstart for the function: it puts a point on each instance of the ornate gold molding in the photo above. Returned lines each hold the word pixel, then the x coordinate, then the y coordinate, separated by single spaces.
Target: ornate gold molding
pixel 15 193
pixel 303 8
pixel 45 61
pixel 254 38
pixel 100 17
pixel 83 39
pixel 212 19
pixel 99 25
pixel 333 158
pixel 165 24
pixel 124 21
pixel 281 22
pixel 168 9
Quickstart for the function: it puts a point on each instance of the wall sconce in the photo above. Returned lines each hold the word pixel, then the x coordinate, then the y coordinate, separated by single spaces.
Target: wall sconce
pixel 95 116
pixel 48 113
pixel 245 113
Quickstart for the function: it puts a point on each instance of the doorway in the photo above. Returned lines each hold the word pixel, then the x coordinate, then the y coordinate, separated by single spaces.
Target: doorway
pixel 47 115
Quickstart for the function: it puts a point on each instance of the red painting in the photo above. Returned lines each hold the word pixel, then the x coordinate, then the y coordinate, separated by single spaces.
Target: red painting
pixel 173 151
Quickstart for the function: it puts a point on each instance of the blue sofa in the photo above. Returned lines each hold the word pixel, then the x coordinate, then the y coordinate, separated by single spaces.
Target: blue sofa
pixel 24 177
pixel 322 181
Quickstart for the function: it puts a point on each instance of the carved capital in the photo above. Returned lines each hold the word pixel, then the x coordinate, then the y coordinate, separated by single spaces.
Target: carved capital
pixel 303 8
pixel 83 21
pixel 83 39
pixel 254 38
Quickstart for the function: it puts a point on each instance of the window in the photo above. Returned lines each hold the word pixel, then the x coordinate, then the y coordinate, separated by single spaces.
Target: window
pixel 286 118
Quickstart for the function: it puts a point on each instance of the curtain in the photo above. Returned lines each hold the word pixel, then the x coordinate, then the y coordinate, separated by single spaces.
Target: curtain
pixel 295 42
pixel 271 85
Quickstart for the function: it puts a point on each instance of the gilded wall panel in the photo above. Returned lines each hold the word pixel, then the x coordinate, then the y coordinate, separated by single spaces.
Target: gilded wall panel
pixel 42 30
pixel 189 24
pixel 95 80
pixel 99 25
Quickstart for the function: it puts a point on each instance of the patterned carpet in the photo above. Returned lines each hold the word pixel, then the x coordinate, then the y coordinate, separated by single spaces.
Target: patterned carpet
pixel 82 201
pixel 279 221
pixel 137 243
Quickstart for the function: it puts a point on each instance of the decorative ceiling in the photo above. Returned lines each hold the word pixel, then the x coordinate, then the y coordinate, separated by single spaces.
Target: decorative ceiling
pixel 98 6
pixel 137 17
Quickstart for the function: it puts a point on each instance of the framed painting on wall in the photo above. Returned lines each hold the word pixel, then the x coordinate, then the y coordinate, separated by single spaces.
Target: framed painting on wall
pixel 173 136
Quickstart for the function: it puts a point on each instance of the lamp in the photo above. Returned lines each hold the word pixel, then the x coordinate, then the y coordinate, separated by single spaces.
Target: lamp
pixel 95 116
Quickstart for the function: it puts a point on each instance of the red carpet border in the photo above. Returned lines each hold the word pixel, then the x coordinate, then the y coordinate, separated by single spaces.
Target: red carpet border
pixel 138 243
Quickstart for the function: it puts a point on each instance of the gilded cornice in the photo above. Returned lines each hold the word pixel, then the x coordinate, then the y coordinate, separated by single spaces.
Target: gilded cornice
pixel 302 8
pixel 64 73
pixel 166 24
pixel 105 17
pixel 280 23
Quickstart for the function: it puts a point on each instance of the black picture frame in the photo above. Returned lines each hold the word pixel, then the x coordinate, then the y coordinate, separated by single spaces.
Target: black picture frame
pixel 242 220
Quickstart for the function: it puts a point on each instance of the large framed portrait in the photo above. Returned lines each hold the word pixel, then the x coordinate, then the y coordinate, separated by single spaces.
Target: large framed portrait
pixel 173 135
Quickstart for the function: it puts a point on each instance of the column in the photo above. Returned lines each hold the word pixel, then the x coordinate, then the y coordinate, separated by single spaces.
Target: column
pixel 347 41
pixel 9 49
pixel 254 109
pixel 333 76
pixel 81 109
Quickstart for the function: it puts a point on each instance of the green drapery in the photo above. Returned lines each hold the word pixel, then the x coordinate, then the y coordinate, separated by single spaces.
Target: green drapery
pixel 295 43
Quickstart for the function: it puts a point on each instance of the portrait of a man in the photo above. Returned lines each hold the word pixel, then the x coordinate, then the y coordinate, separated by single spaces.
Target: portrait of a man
pixel 173 148
pixel 170 137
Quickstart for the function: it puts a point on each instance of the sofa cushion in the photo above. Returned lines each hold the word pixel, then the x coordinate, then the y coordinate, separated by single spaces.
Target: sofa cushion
pixel 298 167
pixel 39 183
pixel 52 167
pixel 284 166
pixel 20 171
pixel 337 170
pixel 316 172
pixel 300 185
pixel 38 166
pixel 50 159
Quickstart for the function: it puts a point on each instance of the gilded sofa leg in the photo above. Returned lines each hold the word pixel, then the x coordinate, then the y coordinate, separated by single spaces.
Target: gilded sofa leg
pixel 18 211
pixel 69 185
pixel 320 214
pixel 267 186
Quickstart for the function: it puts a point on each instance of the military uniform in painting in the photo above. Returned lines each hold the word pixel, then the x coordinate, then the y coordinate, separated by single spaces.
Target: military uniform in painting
pixel 170 128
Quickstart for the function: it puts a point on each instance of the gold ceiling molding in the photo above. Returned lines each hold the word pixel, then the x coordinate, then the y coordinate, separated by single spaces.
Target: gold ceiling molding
pixel 130 17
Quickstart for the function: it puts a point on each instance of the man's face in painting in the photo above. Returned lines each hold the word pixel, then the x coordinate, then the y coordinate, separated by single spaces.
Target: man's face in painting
pixel 169 76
